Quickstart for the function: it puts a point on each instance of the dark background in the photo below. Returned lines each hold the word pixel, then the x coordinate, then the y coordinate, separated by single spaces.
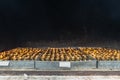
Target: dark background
pixel 22 20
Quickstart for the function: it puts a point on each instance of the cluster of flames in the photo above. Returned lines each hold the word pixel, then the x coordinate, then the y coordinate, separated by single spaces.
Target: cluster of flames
pixel 61 54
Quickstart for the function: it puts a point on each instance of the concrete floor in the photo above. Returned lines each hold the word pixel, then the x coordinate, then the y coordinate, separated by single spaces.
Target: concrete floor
pixel 24 77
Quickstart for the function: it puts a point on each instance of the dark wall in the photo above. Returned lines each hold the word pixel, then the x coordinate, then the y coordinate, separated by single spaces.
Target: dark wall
pixel 49 19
